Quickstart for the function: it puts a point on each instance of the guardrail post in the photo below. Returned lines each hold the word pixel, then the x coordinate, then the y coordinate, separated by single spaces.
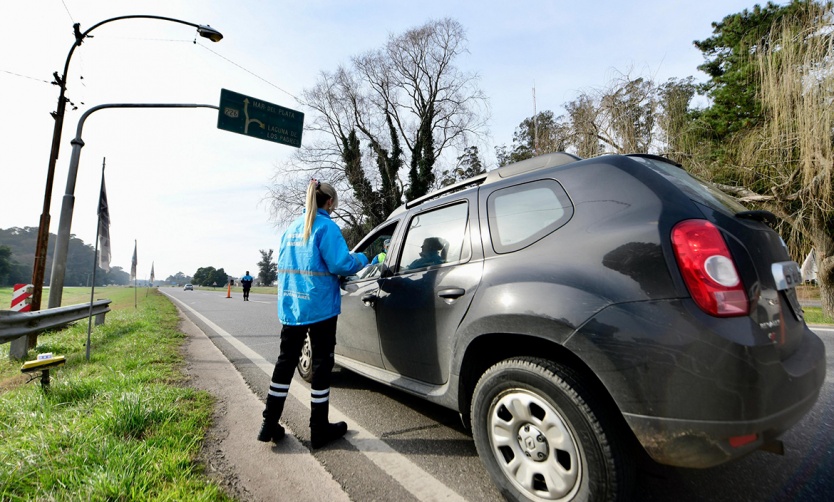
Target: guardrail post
pixel 99 319
pixel 19 348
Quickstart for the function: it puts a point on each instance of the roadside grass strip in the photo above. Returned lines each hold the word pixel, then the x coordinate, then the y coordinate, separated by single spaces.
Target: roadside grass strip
pixel 815 315
pixel 122 426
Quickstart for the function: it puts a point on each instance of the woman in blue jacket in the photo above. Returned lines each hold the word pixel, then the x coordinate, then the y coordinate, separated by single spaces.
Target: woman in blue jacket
pixel 312 256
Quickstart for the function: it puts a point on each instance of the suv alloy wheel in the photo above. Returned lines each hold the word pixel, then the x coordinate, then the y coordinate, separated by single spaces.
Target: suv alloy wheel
pixel 542 436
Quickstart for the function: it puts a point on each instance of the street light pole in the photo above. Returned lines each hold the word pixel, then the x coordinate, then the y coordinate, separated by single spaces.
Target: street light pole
pixel 61 81
pixel 59 255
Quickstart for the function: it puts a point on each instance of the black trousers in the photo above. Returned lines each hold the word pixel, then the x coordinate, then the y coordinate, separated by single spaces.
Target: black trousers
pixel 245 292
pixel 323 341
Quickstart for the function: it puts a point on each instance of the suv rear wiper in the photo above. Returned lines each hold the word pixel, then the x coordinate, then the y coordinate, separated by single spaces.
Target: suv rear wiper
pixel 760 215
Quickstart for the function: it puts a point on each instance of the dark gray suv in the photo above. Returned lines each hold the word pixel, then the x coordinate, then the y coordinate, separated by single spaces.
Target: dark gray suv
pixel 572 310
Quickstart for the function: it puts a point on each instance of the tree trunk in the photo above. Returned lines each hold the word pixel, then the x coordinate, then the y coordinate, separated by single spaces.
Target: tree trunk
pixel 825 278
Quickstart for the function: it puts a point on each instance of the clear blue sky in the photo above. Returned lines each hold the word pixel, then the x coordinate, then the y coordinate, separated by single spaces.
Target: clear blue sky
pixel 190 194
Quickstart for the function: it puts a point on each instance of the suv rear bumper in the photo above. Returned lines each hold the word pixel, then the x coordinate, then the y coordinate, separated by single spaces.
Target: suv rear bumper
pixel 687 383
pixel 701 444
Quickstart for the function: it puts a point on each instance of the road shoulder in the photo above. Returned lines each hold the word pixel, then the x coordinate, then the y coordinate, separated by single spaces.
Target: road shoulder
pixel 246 468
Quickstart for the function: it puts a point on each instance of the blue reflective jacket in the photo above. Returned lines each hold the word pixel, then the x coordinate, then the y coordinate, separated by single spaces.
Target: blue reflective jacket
pixel 308 282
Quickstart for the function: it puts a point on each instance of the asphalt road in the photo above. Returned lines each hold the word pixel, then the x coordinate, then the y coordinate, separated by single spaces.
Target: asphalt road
pixel 402 448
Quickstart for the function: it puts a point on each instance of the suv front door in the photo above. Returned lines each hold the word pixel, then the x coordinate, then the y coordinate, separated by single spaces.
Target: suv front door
pixel 420 307
pixel 356 331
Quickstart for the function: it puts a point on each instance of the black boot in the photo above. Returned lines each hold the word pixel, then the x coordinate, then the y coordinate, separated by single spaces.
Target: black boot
pixel 271 431
pixel 275 399
pixel 321 430
pixel 320 435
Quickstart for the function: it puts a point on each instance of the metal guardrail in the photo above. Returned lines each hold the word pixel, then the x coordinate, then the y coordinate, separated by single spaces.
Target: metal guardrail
pixel 14 325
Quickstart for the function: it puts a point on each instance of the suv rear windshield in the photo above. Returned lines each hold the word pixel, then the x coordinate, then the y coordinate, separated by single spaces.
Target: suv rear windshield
pixel 696 188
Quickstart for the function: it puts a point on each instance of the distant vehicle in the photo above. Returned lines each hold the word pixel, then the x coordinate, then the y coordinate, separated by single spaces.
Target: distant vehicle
pixel 577 311
pixel 188 287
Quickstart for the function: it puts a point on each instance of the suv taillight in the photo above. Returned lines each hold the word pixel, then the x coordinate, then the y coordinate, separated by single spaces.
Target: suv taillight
pixel 708 269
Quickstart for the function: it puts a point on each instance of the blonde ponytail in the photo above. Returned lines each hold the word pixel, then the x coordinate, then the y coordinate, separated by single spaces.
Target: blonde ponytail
pixel 310 207
pixel 318 194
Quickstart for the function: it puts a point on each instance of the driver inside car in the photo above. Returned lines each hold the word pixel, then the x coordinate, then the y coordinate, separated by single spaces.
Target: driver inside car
pixel 429 254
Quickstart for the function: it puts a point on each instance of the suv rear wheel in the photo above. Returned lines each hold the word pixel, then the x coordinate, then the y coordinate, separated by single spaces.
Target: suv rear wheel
pixel 542 438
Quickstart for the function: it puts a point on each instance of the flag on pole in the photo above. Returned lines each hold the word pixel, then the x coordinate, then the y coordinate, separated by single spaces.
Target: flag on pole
pixel 104 231
pixel 151 273
pixel 133 263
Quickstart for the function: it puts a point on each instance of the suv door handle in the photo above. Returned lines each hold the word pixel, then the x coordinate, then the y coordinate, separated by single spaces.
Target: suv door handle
pixel 451 293
pixel 369 299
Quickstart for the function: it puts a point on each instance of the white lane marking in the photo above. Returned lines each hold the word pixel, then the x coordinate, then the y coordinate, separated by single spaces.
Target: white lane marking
pixel 411 477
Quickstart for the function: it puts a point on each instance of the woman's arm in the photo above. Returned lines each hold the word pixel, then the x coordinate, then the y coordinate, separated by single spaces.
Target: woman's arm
pixel 335 253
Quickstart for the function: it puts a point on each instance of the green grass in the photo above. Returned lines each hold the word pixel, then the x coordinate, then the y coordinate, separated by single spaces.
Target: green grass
pixel 121 426
pixel 122 296
pixel 814 315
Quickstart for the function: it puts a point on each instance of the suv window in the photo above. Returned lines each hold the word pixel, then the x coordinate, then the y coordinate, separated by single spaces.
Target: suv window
pixel 522 214
pixel 377 253
pixel 437 237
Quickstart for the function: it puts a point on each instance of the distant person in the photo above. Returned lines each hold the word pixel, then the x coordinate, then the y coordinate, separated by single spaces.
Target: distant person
pixel 246 282
pixel 312 256
pixel 381 256
pixel 429 253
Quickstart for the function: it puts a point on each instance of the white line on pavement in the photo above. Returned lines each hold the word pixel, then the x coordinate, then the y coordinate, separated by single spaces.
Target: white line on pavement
pixel 411 477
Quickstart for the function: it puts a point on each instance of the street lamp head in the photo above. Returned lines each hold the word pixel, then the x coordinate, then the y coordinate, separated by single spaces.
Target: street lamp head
pixel 210 33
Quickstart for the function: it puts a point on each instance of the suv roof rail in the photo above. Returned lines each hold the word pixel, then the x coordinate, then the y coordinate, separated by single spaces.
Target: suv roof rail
pixel 541 162
pixel 475 180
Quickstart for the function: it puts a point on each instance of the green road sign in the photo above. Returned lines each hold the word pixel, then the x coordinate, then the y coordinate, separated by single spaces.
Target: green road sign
pixel 259 119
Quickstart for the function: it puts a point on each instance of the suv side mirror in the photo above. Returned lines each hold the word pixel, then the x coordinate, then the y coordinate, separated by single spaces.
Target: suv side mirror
pixel 385 271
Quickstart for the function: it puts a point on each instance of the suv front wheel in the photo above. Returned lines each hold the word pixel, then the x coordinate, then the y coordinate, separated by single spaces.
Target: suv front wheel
pixel 541 437
pixel 305 362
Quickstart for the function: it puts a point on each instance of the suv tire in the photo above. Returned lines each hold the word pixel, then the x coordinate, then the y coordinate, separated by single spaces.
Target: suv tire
pixel 543 437
pixel 305 362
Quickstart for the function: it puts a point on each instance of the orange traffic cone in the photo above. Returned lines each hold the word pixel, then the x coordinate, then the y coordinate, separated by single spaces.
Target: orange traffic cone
pixel 229 291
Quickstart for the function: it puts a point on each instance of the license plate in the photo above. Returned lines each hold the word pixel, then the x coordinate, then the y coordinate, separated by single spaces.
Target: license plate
pixel 786 274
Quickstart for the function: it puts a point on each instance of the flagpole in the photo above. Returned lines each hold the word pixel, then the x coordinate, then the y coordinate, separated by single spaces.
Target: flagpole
pixel 95 263
pixel 135 301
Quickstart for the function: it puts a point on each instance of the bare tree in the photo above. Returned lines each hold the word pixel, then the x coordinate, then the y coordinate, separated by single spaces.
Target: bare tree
pixel 405 104
pixel 627 109
pixel 621 117
pixel 583 120
pixel 431 103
